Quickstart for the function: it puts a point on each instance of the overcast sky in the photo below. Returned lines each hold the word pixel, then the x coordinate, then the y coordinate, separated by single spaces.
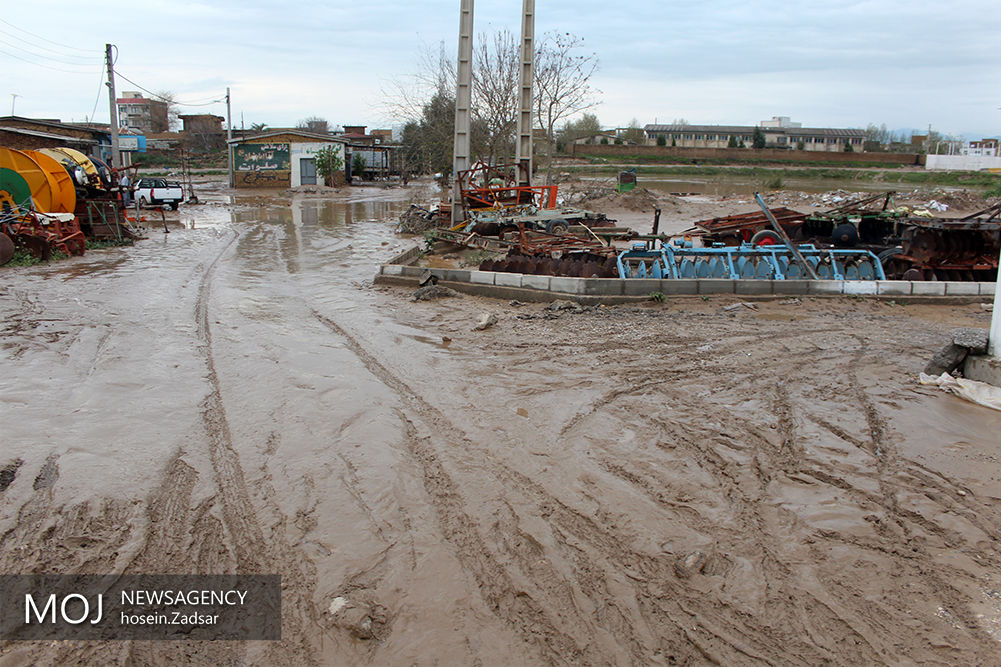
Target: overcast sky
pixel 826 64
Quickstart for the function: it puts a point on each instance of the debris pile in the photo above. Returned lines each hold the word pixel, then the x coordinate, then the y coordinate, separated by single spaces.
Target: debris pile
pixel 417 220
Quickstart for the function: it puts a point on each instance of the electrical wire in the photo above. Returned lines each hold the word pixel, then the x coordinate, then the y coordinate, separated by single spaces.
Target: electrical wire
pixel 50 55
pixel 163 99
pixel 57 69
pixel 45 39
pixel 100 85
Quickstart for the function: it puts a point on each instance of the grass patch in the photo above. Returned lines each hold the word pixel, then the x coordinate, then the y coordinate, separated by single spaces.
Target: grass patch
pixel 968 179
pixel 24 258
pixel 673 159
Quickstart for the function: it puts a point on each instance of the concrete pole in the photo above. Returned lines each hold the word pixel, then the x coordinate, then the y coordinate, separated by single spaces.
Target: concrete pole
pixel 994 337
pixel 463 102
pixel 229 137
pixel 524 143
pixel 116 155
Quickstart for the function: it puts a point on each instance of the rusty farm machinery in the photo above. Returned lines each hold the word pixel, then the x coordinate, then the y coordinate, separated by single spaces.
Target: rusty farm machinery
pixel 52 199
pixel 909 246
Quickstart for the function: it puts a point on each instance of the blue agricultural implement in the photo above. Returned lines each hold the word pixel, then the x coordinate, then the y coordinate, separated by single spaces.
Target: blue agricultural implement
pixel 743 262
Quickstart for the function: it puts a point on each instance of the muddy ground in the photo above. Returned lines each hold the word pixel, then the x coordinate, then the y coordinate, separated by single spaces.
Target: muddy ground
pixel 669 483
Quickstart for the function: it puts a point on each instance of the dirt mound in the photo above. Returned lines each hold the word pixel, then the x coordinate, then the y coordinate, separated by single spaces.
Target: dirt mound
pixel 640 199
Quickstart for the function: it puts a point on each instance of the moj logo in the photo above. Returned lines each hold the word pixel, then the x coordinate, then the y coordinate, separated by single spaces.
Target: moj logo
pixel 137 607
pixel 74 609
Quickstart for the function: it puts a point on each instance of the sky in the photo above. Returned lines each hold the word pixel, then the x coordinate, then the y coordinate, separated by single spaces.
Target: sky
pixel 836 63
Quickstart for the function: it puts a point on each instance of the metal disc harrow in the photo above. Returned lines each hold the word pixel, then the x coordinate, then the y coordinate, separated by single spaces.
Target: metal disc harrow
pixel 747 262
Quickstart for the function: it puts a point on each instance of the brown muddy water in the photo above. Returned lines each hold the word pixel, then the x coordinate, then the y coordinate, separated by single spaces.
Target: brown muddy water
pixel 663 484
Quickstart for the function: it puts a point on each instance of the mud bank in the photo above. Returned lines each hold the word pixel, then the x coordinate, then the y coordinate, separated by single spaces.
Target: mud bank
pixel 648 484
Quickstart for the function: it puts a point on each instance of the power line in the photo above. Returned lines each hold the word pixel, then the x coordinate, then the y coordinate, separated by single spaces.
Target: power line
pixel 45 39
pixel 51 55
pixel 163 99
pixel 100 85
pixel 57 69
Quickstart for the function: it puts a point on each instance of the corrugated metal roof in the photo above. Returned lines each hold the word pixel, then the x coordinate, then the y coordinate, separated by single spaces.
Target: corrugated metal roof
pixel 46 135
pixel 749 129
pixel 298 133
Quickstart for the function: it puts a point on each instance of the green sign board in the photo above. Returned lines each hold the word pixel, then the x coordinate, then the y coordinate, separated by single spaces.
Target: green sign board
pixel 261 157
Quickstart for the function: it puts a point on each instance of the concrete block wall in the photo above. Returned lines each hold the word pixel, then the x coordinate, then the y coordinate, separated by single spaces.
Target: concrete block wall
pixel 639 287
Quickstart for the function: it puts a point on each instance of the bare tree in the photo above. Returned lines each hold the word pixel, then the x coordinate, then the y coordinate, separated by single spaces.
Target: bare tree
pixel 169 98
pixel 495 95
pixel 426 101
pixel 405 98
pixel 314 124
pixel 562 85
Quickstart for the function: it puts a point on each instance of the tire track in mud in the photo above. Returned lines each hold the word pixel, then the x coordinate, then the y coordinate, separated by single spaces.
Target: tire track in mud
pixel 516 607
pixel 746 509
pixel 253 552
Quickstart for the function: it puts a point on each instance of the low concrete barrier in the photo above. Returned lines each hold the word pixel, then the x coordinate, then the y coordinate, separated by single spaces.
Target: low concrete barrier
pixel 634 288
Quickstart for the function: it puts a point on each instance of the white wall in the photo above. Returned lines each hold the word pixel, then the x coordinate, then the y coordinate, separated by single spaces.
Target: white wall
pixel 962 162
pixel 298 151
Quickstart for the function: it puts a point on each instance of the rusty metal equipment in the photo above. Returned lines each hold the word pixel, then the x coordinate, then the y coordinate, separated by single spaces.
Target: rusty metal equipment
pixel 36 205
pixel 486 186
pixel 737 229
pixel 43 233
pixel 948 249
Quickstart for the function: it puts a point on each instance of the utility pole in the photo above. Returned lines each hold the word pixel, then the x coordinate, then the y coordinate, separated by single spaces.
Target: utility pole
pixel 463 102
pixel 116 156
pixel 13 97
pixel 525 93
pixel 229 138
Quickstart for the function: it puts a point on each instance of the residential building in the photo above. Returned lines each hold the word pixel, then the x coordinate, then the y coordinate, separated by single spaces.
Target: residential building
pixel 141 114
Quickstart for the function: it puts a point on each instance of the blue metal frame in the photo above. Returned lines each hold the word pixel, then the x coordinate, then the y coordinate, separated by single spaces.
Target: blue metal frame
pixel 747 262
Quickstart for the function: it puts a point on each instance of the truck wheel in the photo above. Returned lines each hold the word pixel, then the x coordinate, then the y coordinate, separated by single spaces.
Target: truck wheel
pixel 557 227
pixel 143 202
pixel 173 206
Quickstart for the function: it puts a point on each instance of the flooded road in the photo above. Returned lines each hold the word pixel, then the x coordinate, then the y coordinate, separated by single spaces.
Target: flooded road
pixel 667 484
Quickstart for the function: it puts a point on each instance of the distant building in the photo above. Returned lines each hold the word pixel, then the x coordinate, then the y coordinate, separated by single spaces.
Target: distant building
pixel 607 137
pixel 141 114
pixel 982 148
pixel 203 131
pixel 780 122
pixel 779 132
pixel 201 122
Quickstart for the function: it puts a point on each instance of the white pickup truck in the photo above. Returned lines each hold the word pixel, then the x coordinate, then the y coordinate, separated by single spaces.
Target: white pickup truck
pixel 158 192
